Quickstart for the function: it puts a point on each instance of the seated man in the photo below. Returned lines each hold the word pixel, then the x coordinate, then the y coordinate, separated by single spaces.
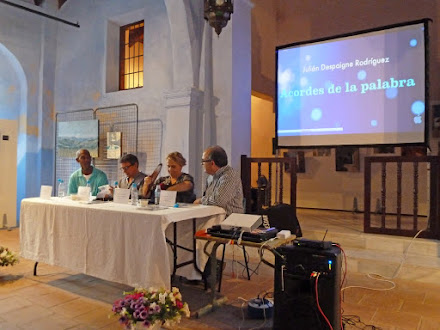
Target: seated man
pixel 86 173
pixel 130 166
pixel 225 188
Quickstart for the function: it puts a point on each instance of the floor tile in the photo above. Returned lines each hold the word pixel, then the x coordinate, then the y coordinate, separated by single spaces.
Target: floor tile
pixel 53 299
pixel 53 322
pixel 98 318
pixel 428 323
pixel 75 307
pixel 26 314
pixel 13 303
pixel 425 310
pixel 399 320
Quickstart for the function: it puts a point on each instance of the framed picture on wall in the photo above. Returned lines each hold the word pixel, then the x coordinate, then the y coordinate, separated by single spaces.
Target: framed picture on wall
pixel 75 135
pixel 300 161
pixel 113 145
pixel 322 152
pixel 412 151
pixel 384 150
pixel 347 159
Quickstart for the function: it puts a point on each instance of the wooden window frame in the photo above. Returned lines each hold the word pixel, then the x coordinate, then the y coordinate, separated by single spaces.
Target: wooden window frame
pixel 136 57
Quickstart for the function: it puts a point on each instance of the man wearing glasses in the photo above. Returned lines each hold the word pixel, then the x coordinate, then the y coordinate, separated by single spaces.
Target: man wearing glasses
pixel 224 186
pixel 130 166
pixel 87 172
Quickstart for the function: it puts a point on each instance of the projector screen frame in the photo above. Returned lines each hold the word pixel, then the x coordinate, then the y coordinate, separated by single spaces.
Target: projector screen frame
pixel 425 143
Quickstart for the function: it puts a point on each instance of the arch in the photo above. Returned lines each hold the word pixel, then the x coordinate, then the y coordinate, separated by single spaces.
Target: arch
pixel 22 124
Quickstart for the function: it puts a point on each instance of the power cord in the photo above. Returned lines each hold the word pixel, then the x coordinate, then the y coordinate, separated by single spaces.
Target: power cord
pixel 244 302
pixel 348 319
pixel 385 279
pixel 316 275
pixel 243 318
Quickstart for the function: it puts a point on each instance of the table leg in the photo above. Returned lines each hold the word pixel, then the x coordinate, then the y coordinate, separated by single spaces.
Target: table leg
pixel 213 278
pixel 35 268
pixel 174 250
pixel 196 267
pixel 175 246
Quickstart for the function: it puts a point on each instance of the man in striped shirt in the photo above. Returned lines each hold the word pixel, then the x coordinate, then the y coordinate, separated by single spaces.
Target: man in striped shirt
pixel 224 186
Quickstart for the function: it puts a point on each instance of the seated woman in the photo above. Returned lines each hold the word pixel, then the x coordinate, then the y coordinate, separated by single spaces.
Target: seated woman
pixel 177 180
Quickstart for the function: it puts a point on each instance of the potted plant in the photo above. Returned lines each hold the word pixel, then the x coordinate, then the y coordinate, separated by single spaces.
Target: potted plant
pixel 7 257
pixel 150 308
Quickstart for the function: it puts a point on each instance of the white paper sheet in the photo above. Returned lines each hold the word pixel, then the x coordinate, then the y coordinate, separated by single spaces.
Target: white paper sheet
pixel 46 192
pixel 167 198
pixel 84 193
pixel 103 191
pixel 121 195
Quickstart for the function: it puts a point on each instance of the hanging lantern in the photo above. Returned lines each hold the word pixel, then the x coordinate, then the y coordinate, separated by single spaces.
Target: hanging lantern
pixel 218 13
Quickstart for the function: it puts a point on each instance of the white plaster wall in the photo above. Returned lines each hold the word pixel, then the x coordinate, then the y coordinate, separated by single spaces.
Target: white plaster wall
pixel 232 54
pixel 174 61
pixel 27 42
pixel 81 70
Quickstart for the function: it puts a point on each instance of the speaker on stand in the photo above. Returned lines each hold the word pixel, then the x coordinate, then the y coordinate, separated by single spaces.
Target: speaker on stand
pixel 301 270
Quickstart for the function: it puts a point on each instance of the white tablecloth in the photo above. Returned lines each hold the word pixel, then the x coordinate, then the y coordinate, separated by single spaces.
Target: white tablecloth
pixel 111 241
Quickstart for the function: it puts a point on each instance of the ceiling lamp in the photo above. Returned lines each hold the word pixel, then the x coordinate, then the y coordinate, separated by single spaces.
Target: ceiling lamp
pixel 218 13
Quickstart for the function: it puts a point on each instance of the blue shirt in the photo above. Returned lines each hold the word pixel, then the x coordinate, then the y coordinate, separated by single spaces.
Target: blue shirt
pixel 98 178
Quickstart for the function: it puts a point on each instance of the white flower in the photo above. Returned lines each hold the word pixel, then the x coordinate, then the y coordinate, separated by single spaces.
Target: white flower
pixel 172 298
pixel 162 297
pixel 185 309
pixel 175 290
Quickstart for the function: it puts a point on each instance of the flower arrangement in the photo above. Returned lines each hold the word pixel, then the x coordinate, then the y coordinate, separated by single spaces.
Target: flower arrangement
pixel 150 307
pixel 7 257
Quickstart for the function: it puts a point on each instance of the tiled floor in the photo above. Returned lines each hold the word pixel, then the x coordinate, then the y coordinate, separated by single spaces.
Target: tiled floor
pixel 60 299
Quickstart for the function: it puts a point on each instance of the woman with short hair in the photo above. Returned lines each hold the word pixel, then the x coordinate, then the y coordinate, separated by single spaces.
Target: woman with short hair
pixel 177 180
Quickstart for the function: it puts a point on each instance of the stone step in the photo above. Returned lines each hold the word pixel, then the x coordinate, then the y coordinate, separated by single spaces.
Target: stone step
pixel 383 255
pixel 379 243
pixel 388 256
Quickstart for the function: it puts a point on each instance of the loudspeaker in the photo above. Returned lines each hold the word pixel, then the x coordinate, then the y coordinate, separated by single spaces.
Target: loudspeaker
pixel 296 282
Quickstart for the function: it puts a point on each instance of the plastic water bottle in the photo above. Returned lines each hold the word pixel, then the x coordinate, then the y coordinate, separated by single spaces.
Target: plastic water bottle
pixel 116 184
pixel 134 194
pixel 157 195
pixel 61 188
pixel 90 186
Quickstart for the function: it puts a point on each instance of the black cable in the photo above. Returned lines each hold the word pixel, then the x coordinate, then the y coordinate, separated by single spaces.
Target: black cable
pixel 253 271
pixel 355 321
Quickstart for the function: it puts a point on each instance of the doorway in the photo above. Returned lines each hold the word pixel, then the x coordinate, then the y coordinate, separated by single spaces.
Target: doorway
pixel 8 173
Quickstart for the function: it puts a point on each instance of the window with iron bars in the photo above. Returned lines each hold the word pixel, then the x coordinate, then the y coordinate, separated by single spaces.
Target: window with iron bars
pixel 131 64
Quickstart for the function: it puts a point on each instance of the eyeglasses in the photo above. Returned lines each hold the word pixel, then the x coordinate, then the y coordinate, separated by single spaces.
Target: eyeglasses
pixel 126 167
pixel 206 161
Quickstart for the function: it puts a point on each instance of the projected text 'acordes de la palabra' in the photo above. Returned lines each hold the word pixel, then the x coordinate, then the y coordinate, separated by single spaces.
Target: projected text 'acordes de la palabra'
pixel 363 88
